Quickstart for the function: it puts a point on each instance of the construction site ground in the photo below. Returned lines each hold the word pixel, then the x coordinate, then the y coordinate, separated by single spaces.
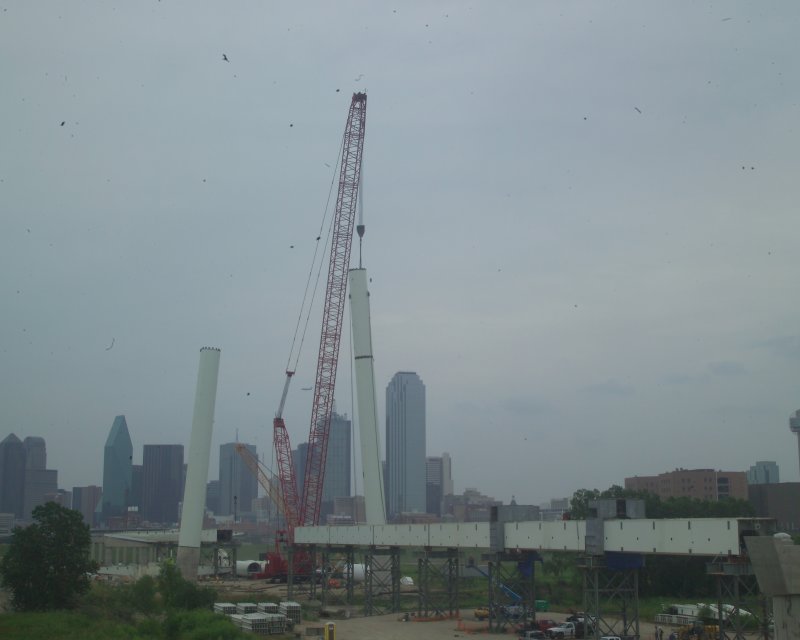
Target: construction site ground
pixel 352 625
pixel 393 627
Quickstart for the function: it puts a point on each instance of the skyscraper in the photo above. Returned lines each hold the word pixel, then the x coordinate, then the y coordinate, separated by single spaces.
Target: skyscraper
pixel 35 453
pixel 117 458
pixel 337 463
pixel 438 480
pixel 135 494
pixel 212 496
pixel 12 476
pixel 405 444
pixel 39 481
pixel 763 472
pixel 237 484
pixel 85 499
pixel 162 482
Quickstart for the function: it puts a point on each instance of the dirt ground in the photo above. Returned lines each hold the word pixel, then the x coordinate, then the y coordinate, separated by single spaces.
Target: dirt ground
pixel 392 627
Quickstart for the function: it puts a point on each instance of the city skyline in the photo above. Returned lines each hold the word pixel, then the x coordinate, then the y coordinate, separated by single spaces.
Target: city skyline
pixel 700 483
pixel 583 236
pixel 118 448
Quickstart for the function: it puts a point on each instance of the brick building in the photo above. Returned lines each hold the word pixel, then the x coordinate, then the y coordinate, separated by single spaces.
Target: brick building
pixel 702 484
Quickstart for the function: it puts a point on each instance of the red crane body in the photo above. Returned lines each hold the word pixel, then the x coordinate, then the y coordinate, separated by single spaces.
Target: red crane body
pixel 307 510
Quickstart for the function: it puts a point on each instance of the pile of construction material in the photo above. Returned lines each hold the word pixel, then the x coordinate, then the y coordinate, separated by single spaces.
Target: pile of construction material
pixel 262 618
pixel 268 607
pixel 225 608
pixel 263 624
pixel 291 610
pixel 246 607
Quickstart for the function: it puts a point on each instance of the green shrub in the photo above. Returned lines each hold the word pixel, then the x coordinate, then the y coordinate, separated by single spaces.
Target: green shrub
pixel 104 600
pixel 178 593
pixel 143 595
pixel 199 625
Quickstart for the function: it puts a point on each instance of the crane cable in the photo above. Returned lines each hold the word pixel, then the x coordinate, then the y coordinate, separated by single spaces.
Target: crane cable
pixel 303 306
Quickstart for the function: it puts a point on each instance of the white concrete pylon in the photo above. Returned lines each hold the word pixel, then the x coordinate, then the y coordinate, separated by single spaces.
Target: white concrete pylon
pixel 194 494
pixel 365 393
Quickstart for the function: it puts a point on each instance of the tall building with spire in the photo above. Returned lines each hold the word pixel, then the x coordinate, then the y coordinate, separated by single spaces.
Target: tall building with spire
pixel 405 444
pixel 117 462
pixel 238 487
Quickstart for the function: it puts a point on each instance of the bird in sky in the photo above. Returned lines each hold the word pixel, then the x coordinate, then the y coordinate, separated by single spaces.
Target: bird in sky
pixel 225 58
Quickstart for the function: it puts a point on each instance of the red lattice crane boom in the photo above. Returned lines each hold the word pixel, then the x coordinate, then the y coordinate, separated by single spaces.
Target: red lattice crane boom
pixel 307 510
pixel 283 455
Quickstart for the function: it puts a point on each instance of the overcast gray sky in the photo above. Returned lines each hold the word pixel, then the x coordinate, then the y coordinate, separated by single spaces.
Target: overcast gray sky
pixel 582 225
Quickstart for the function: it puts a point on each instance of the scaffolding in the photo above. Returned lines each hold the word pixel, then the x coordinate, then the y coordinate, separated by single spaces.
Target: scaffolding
pixel 742 609
pixel 338 583
pixel 381 580
pixel 611 594
pixel 512 593
pixel 437 583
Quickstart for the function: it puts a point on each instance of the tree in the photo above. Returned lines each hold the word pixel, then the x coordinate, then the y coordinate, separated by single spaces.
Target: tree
pixel 47 563
pixel 579 504
pixel 178 593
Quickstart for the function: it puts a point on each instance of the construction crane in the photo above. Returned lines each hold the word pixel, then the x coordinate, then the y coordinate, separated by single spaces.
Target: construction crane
pixel 306 510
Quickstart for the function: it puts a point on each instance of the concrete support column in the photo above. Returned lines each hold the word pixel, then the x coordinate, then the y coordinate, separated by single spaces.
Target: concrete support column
pixel 776 563
pixel 365 393
pixel 194 494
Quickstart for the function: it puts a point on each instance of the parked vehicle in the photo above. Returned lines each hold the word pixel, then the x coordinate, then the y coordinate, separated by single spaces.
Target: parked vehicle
pixel 507 612
pixel 513 611
pixel 698 631
pixel 580 616
pixel 543 624
pixel 533 634
pixel 481 613
pixel 570 629
pixel 564 630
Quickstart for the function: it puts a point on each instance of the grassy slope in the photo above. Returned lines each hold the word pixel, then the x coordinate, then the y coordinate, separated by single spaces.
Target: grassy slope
pixel 61 625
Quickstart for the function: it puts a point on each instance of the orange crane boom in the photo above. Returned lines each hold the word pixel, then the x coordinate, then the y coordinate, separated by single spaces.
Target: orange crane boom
pixel 260 472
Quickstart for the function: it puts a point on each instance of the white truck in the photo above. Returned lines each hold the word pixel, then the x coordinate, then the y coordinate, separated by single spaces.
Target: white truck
pixel 564 630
